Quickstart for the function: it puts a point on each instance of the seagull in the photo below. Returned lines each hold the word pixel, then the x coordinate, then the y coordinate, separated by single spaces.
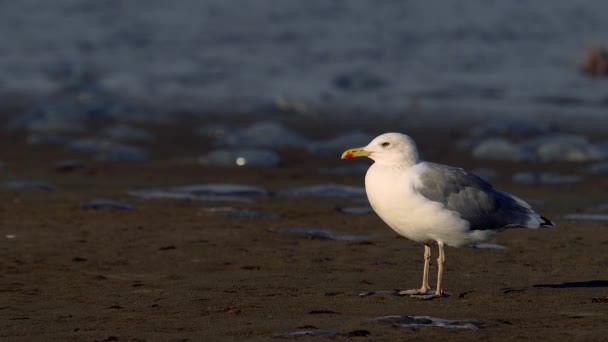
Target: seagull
pixel 428 202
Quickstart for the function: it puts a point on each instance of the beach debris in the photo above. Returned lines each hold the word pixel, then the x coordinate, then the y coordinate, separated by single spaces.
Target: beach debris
pixel 428 321
pixel 586 217
pixel 324 190
pixel 106 204
pixel 27 185
pixel 355 210
pixel 318 234
pixel 241 157
pixel 221 189
pixel 545 178
pixel 595 61
pixel 576 284
pixel 71 165
pixel 358 333
pixel 395 292
pixel 323 312
pixel 234 212
pixel 264 134
pixel 295 334
pixel 203 192
pixel 167 194
pixel 380 292
pixel 335 146
pixel 301 333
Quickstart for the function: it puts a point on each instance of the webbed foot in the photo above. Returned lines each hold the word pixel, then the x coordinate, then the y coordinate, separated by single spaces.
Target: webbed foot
pixel 430 295
pixel 415 292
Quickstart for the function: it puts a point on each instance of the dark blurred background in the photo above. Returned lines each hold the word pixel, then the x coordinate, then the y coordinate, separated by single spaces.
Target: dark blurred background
pixel 501 57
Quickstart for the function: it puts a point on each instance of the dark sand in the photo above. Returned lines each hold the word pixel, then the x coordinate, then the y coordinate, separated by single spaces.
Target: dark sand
pixel 167 271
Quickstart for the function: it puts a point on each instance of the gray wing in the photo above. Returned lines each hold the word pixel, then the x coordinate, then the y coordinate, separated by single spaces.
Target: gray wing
pixel 474 199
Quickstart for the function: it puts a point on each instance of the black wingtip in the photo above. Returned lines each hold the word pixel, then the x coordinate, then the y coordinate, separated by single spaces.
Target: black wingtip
pixel 546 222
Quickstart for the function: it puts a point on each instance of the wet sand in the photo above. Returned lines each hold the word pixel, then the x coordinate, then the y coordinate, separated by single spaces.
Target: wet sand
pixel 169 271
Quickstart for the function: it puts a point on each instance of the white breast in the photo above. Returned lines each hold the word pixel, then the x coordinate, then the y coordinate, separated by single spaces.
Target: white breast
pixel 392 195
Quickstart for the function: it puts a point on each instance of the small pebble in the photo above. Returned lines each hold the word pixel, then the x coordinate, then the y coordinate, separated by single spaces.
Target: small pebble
pixel 296 334
pixel 241 157
pixel 319 234
pixel 71 165
pixel 427 321
pixel 223 189
pixel 106 204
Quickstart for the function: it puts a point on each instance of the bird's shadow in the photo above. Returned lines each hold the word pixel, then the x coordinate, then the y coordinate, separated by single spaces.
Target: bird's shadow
pixel 576 284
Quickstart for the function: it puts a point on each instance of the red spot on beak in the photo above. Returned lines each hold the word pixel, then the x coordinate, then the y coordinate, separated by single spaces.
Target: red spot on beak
pixel 348 156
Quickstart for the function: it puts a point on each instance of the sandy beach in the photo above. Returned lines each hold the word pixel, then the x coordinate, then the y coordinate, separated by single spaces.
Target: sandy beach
pixel 171 270
pixel 171 171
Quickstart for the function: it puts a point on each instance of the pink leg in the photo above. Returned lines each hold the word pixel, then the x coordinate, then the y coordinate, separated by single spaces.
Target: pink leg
pixel 424 289
pixel 439 291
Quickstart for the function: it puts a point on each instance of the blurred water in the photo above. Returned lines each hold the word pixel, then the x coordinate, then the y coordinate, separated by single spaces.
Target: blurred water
pixel 513 56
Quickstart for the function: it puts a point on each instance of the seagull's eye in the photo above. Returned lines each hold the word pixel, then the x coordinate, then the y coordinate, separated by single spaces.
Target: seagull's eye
pixel 385 144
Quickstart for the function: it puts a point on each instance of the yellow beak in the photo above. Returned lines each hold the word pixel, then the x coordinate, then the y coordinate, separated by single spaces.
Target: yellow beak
pixel 355 152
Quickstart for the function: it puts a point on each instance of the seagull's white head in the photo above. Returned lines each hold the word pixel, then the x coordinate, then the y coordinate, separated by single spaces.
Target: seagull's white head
pixel 388 148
